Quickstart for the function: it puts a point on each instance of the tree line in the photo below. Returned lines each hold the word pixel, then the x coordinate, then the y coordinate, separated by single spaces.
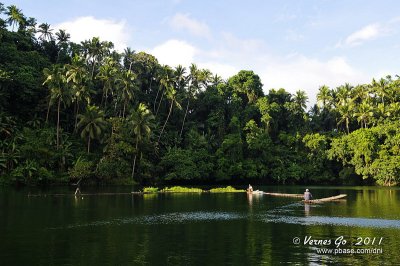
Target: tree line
pixel 83 111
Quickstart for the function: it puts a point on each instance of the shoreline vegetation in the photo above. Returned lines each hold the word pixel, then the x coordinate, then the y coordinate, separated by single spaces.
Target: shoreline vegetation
pixel 85 113
pixel 179 189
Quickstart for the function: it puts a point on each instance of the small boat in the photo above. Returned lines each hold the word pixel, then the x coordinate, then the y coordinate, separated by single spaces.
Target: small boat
pixel 285 195
pixel 333 198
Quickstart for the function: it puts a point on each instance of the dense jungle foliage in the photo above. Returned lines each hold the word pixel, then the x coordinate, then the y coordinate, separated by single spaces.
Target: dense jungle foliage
pixel 74 112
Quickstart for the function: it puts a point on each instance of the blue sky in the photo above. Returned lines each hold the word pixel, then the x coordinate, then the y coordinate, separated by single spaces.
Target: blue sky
pixel 295 44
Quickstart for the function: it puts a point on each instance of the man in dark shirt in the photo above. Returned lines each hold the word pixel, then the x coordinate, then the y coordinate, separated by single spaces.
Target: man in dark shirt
pixel 307 195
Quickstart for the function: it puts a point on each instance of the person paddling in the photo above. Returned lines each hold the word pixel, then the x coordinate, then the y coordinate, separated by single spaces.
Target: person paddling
pixel 250 189
pixel 307 195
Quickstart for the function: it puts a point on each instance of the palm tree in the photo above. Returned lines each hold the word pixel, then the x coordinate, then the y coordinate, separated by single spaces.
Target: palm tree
pixel 15 16
pixel 361 93
pixel 171 96
pixel 364 113
pixel 216 80
pixel 62 41
pixel 193 86
pixel 166 79
pixel 92 124
pixel 31 27
pixel 128 57
pixel 126 88
pixel 381 88
pixel 343 94
pixel 78 77
pixel 324 96
pixel 59 92
pixel 141 121
pixel 346 113
pixel 107 73
pixel 94 50
pixel 62 36
pixel 46 32
pixel 300 99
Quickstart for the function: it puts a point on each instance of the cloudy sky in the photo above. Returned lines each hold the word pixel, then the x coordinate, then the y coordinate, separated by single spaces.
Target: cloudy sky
pixel 291 44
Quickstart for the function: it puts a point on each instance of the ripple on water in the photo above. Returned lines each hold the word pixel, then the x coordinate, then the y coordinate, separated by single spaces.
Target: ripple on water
pixel 168 218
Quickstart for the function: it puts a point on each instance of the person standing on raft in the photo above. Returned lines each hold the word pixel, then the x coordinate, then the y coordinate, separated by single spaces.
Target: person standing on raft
pixel 307 195
pixel 250 189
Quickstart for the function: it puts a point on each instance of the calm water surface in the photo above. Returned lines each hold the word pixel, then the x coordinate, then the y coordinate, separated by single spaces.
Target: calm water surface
pixel 54 227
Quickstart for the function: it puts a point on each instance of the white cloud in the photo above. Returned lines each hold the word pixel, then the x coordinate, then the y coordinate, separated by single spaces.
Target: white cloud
pixel 174 52
pixel 184 22
pixel 367 33
pixel 298 72
pixel 83 28
pixel 222 69
pixel 292 72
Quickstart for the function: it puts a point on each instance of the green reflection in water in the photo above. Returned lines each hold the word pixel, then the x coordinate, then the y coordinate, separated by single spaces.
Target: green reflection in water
pixel 54 227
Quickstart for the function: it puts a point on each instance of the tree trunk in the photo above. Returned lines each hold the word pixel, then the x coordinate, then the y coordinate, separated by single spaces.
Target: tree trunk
pixel 166 120
pixel 149 90
pixel 134 159
pixel 93 65
pixel 184 117
pixel 76 115
pixel 123 113
pixel 159 104
pixel 155 100
pixel 58 122
pixel 88 145
pixel 48 112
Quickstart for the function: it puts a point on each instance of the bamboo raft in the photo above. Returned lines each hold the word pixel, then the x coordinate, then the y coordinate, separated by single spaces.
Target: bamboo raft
pixel 285 195
pixel 338 197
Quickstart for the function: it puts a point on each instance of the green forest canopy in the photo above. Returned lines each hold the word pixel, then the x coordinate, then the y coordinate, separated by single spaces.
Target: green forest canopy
pixel 83 111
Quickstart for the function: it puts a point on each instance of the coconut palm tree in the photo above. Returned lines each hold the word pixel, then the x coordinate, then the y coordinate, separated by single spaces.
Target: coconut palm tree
pixel 59 91
pixel 141 122
pixel 92 124
pixel 300 99
pixel 343 94
pixel 15 16
pixel 324 97
pixel 381 88
pixel 78 78
pixel 346 113
pixel 128 57
pixel 364 113
pixel 166 80
pixel 45 32
pixel 62 38
pixel 171 96
pixel 94 50
pixel 107 73
pixel 31 27
pixel 361 93
pixel 126 88
pixel 216 80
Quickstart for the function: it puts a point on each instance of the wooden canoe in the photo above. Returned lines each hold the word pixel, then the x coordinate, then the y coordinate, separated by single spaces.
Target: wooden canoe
pixel 285 195
pixel 341 196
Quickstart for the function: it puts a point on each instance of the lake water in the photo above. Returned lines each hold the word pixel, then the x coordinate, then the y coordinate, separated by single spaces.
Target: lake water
pixel 53 227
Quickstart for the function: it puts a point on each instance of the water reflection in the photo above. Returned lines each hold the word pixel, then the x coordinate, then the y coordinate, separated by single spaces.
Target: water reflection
pixel 250 199
pixel 307 208
pixel 206 229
